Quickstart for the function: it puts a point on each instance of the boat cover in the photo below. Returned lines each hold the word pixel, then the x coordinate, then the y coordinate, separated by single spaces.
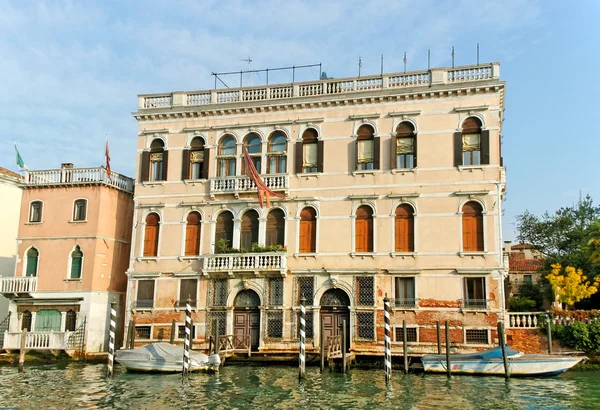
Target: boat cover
pixel 160 352
pixel 493 353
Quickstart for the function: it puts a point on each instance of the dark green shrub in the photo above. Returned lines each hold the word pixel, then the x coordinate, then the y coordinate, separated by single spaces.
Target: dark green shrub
pixel 521 304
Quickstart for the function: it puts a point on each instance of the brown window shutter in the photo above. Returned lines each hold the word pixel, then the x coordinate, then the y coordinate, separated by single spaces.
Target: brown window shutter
pixel 145 166
pixel 165 165
pixel 415 144
pixel 479 232
pixel 275 228
pixel 298 157
pixel 185 164
pixel 393 155
pixel 205 163
pixel 458 152
pixel 320 155
pixel 484 147
pixel 356 154
pixel 467 233
pixel 359 236
pixel 376 153
pixel 192 234
pixel 369 235
pixel 410 235
pixel 151 240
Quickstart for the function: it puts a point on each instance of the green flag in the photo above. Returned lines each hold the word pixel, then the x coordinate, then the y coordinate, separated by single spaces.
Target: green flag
pixel 20 161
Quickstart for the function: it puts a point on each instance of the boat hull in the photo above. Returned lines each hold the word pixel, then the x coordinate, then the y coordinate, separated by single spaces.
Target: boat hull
pixel 165 358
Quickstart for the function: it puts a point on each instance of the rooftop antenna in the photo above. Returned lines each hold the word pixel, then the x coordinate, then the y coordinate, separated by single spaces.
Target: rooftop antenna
pixel 404 59
pixel 359 65
pixel 429 59
pixel 382 65
pixel 452 56
pixel 249 61
pixel 478 54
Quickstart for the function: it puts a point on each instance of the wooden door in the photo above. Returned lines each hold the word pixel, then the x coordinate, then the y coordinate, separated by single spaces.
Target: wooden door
pixel 332 321
pixel 247 323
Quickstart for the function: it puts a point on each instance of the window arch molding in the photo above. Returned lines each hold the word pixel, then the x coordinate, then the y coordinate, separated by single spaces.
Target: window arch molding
pixel 30 211
pixel 75 248
pixel 245 285
pixel 307 127
pixel 283 130
pixel 25 258
pixel 192 135
pixel 260 133
pixel 399 120
pixel 368 203
pixel 484 213
pixel 463 116
pixel 339 284
pixel 370 123
pixel 477 199
pixel 228 133
pixel 153 137
pixel 142 225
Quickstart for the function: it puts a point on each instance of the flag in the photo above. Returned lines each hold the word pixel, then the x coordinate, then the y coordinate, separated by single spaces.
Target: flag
pixel 20 162
pixel 264 193
pixel 107 155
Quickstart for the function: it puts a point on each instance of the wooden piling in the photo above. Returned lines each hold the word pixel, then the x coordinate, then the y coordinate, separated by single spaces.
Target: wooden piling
pixel 111 337
pixel 404 348
pixel 439 337
pixel 503 346
pixel 344 346
pixel 322 345
pixel 217 321
pixel 173 330
pixel 387 345
pixel 549 333
pixel 448 364
pixel 132 335
pixel 301 356
pixel 130 331
pixel 187 337
pixel 22 350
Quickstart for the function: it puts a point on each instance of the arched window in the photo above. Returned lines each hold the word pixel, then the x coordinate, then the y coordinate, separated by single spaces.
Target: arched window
pixel 254 147
pixel 249 229
pixel 404 229
pixel 308 230
pixel 363 235
pixel 151 235
pixel 224 231
pixel 275 228
pixel 194 159
pixel 192 234
pixel 405 147
pixel 472 227
pixel 26 321
pixel 71 321
pixel 76 263
pixel 80 210
pixel 367 148
pixel 471 141
pixel 310 152
pixel 158 161
pixel 32 262
pixel 277 153
pixel 226 157
pixel 35 211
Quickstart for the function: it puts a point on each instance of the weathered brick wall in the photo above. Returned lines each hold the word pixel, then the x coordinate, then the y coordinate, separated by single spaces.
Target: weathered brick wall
pixel 527 340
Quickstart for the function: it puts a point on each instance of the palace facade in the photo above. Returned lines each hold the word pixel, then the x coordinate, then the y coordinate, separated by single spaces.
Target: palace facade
pixel 393 185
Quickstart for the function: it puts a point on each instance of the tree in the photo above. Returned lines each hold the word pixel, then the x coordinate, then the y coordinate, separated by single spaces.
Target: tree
pixel 571 285
pixel 594 243
pixel 324 76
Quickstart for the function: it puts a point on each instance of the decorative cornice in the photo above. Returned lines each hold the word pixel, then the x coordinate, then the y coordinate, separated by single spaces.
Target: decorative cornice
pixel 364 116
pixel 404 113
pixel 401 196
pixel 472 108
pixel 472 193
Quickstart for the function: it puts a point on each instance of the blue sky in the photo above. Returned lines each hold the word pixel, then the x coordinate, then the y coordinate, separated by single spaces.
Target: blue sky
pixel 71 71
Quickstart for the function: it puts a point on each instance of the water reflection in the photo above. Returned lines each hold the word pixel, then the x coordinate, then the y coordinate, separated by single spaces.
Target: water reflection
pixel 77 386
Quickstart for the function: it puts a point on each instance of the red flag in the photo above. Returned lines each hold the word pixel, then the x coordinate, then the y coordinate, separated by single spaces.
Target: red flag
pixel 107 155
pixel 264 192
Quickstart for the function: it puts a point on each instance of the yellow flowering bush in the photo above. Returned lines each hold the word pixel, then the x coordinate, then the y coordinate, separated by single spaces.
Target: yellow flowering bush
pixel 571 285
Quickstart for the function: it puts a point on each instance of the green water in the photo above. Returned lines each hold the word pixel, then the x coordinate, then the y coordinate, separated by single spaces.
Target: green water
pixel 78 386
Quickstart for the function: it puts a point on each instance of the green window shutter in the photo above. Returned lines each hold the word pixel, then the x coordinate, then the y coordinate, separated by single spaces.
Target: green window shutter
pixel 76 267
pixel 32 262
pixel 48 320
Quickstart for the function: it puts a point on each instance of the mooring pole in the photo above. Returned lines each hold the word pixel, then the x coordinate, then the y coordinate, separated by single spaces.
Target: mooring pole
pixel 301 357
pixel 173 330
pixel 439 337
pixel 322 345
pixel 132 335
pixel 549 333
pixel 187 337
pixel 404 341
pixel 448 364
pixel 218 322
pixel 22 350
pixel 344 345
pixel 387 346
pixel 503 346
pixel 111 337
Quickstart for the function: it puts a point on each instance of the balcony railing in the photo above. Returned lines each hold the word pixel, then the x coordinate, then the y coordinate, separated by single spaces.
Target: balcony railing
pixel 245 262
pixel 37 340
pixel 476 303
pixel 523 320
pixel 408 303
pixel 238 184
pixel 78 176
pixel 20 284
pixel 414 79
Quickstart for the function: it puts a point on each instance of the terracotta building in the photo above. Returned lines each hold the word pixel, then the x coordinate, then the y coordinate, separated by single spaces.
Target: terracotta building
pixel 525 262
pixel 393 185
pixel 73 249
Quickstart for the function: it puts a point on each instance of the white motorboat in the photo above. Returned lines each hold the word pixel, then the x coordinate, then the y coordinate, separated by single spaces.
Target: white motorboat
pixel 490 362
pixel 165 358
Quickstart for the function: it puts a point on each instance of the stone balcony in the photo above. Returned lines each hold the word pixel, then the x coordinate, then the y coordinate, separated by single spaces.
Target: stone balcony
pixel 245 262
pixel 37 340
pixel 18 285
pixel 422 79
pixel 78 176
pixel 241 184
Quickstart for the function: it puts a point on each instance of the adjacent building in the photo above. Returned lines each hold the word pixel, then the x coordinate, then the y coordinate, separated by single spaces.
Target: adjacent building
pixel 525 262
pixel 72 253
pixel 393 186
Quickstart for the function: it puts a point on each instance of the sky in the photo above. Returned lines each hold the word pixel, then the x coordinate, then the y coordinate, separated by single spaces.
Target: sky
pixel 71 71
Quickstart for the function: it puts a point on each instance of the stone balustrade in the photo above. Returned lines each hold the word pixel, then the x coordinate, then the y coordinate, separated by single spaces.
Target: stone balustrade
pixel 78 176
pixel 237 184
pixel 414 79
pixel 18 284
pixel 270 261
pixel 523 320
pixel 37 340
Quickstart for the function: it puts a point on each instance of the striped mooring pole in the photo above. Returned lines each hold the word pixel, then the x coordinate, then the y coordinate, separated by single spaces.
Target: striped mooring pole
pixel 187 337
pixel 387 354
pixel 302 358
pixel 111 337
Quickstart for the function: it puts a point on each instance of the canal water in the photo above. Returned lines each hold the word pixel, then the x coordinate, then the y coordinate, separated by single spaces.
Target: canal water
pixel 81 386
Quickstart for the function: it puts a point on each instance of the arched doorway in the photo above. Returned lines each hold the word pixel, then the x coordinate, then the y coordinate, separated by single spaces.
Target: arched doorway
pixel 335 305
pixel 246 318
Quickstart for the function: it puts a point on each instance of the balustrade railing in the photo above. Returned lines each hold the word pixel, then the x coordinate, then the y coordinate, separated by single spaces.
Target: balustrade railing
pixel 523 320
pixel 248 262
pixel 422 78
pixel 243 183
pixel 405 302
pixel 36 340
pixel 74 176
pixel 18 284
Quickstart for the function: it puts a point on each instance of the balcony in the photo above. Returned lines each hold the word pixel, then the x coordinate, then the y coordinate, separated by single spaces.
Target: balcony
pixel 18 285
pixel 37 340
pixel 422 79
pixel 405 303
pixel 240 184
pixel 247 262
pixel 475 304
pixel 78 176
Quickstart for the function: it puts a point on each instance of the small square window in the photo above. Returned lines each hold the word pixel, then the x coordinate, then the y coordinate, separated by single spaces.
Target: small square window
pixel 411 334
pixel 476 336
pixel 143 332
pixel 181 332
pixel 79 210
pixel 35 212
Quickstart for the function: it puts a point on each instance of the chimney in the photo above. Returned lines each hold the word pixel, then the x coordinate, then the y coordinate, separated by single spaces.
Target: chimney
pixel 66 165
pixel 507 246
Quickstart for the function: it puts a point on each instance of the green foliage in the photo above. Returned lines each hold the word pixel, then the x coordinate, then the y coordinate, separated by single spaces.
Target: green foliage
pixel 531 291
pixel 583 334
pixel 576 336
pixel 222 246
pixel 521 304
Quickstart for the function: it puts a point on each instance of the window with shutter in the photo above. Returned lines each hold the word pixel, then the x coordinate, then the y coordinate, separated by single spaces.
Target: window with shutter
pixel 275 228
pixel 310 151
pixel 192 234
pixel 277 153
pixel 404 147
pixel 249 229
pixel 32 262
pixel 226 157
pixel 76 263
pixel 224 229
pixel 196 159
pixel 151 235
pixel 471 141
pixel 79 210
pixel 364 229
pixel 404 229
pixel 254 146
pixel 145 294
pixel 365 148
pixel 308 231
pixel 472 221
pixel 188 288
pixel 157 171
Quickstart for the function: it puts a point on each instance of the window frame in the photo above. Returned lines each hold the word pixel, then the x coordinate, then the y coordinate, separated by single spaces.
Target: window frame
pixel 472 228
pixel 198 238
pixel 227 162
pixel 37 263
pixel 145 237
pixel 193 164
pixel 313 231
pixel 252 231
pixel 256 157
pixel 409 235
pixel 310 136
pixel 370 230
pixel 227 233
pixel 406 304
pixel 152 171
pixel 75 209
pixel 280 235
pixel 41 211
pixel 76 248
pixel 405 129
pixel 365 136
pixel 280 160
pixel 137 295
pixel 471 126
pixel 475 302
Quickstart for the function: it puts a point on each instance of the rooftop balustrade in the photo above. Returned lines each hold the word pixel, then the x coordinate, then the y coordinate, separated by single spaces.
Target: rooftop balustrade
pixel 78 176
